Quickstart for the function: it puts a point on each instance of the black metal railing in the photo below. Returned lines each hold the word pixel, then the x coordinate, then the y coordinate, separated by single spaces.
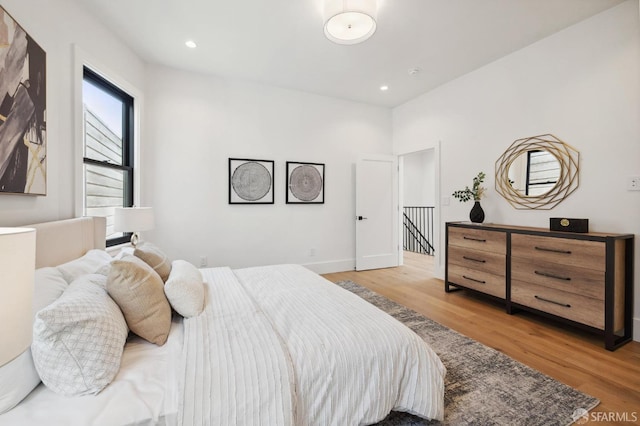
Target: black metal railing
pixel 418 230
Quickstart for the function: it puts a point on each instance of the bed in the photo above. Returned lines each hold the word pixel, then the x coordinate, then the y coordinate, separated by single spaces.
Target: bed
pixel 275 345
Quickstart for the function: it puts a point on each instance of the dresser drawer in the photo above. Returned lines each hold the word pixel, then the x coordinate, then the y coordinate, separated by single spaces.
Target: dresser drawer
pixel 477 280
pixel 581 253
pixel 486 261
pixel 581 309
pixel 478 239
pixel 572 279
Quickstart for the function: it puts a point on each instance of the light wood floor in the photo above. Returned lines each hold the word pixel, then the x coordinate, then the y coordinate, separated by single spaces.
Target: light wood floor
pixel 574 357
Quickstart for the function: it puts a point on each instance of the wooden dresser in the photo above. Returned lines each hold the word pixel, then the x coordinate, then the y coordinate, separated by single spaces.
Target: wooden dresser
pixel 583 279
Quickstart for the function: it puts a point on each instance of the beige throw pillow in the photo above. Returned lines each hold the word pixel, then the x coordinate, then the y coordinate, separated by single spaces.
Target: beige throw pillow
pixel 139 292
pixel 155 258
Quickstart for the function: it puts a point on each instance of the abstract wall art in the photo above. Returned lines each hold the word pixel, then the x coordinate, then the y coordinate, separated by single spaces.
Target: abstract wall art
pixel 305 183
pixel 23 110
pixel 250 181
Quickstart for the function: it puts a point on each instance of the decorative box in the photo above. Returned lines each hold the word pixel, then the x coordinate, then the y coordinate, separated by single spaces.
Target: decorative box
pixel 566 224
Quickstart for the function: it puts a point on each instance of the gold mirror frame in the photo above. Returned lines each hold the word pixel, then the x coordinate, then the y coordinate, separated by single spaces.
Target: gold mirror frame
pixel 568 158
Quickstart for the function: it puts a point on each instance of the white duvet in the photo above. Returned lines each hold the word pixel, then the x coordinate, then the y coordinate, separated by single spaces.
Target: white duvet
pixel 280 345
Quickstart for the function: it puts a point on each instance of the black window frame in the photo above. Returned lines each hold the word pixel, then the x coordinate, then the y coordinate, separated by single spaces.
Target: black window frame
pixel 127 145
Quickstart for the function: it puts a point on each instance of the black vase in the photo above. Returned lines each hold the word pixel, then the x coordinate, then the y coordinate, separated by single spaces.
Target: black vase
pixel 477 214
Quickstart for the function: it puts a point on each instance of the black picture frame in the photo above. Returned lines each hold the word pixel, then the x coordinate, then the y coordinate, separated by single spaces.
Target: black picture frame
pixel 305 183
pixel 251 181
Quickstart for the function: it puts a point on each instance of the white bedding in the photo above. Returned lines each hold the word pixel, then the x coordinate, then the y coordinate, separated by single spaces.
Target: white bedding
pixel 144 392
pixel 282 346
pixel 276 345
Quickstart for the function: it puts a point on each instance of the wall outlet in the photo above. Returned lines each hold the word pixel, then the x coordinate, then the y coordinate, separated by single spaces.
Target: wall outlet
pixel 633 183
pixel 203 261
pixel 312 252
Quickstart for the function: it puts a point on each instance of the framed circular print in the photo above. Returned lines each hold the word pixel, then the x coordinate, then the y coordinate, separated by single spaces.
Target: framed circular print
pixel 250 181
pixel 305 183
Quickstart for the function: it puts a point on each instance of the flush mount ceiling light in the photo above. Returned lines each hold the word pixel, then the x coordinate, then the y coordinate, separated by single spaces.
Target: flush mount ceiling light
pixel 190 44
pixel 349 21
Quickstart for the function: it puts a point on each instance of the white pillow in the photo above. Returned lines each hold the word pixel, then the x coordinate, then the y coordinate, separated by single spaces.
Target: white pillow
pixel 87 264
pixel 124 252
pixel 185 289
pixel 19 377
pixel 78 340
pixel 49 284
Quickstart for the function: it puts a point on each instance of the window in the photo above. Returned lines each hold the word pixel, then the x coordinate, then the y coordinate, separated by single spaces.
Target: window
pixel 108 151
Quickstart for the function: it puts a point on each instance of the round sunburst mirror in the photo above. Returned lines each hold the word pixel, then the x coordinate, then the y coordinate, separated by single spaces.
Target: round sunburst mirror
pixel 537 172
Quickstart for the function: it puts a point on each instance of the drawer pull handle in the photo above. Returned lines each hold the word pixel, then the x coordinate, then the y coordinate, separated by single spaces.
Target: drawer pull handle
pixel 552 301
pixel 546 274
pixel 553 250
pixel 473 279
pixel 482 240
pixel 474 260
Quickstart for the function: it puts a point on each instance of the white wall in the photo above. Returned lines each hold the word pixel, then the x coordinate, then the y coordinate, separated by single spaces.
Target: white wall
pixel 194 123
pixel 580 84
pixel 419 179
pixel 57 27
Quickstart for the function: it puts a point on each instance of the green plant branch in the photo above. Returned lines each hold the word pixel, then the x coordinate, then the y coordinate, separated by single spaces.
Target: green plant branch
pixel 476 192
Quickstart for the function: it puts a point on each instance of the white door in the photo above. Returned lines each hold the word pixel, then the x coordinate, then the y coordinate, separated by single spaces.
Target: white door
pixel 376 212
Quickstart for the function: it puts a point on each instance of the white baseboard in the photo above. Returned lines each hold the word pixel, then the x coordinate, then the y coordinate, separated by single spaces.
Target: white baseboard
pixel 331 266
pixel 636 329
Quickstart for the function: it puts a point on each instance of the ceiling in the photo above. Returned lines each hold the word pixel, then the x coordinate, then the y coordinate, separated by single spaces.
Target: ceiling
pixel 281 42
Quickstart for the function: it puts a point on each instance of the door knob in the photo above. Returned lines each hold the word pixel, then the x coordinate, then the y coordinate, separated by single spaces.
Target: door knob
pixel 361 218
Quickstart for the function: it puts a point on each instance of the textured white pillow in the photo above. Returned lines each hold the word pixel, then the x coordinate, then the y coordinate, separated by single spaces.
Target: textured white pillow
pixel 19 377
pixel 78 340
pixel 185 289
pixel 87 264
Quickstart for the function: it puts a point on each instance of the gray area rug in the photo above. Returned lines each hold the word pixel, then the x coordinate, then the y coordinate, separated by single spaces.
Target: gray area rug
pixel 483 386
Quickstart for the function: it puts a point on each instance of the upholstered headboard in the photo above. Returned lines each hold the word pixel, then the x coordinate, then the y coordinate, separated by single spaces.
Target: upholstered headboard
pixel 64 240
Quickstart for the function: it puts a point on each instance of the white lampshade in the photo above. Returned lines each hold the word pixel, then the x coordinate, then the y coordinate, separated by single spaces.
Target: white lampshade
pixel 133 219
pixel 17 267
pixel 349 21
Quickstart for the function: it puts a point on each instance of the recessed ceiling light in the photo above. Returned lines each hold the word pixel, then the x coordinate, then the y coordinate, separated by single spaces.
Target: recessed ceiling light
pixel 384 88
pixel 190 44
